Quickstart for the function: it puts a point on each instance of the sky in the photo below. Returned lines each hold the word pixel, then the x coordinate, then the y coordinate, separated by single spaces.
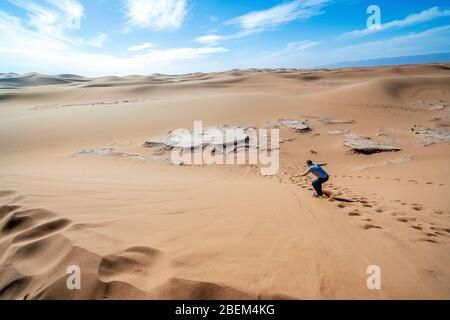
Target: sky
pixel 124 37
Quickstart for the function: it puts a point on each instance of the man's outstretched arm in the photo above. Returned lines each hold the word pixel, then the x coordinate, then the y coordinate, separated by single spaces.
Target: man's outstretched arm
pixel 304 173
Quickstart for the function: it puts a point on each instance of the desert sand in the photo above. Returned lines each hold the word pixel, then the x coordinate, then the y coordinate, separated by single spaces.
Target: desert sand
pixel 78 186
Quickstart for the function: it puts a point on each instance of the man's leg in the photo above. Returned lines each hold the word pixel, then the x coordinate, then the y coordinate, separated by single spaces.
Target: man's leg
pixel 321 182
pixel 317 186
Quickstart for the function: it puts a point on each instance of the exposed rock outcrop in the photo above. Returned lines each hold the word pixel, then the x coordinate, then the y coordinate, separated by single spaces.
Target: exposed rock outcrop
pixel 368 146
pixel 226 138
pixel 297 125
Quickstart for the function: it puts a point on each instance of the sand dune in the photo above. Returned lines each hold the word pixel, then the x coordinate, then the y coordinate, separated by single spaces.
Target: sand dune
pixel 34 249
pixel 80 185
pixel 35 79
pixel 390 90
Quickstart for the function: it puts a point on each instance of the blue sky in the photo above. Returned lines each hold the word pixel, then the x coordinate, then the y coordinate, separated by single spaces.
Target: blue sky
pixel 121 37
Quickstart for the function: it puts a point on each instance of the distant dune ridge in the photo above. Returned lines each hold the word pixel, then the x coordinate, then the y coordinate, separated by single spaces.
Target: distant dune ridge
pixel 425 58
pixel 80 186
pixel 36 79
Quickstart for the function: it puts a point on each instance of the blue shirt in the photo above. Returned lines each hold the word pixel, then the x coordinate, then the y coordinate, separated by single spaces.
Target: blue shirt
pixel 318 171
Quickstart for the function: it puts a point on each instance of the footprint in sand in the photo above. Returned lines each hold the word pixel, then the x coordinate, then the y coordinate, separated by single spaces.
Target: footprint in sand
pixel 440 229
pixel 428 234
pixel 354 213
pixel 368 226
pixel 340 199
pixel 327 193
pixel 429 240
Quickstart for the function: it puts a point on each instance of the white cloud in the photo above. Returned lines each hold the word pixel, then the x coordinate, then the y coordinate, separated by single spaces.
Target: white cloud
pixel 32 46
pixel 299 46
pixel 294 48
pixel 178 54
pixel 98 41
pixel 55 19
pixel 433 40
pixel 280 14
pixel 73 12
pixel 209 39
pixel 412 19
pixel 16 35
pixel 426 42
pixel 32 51
pixel 155 15
pixel 259 21
pixel 146 45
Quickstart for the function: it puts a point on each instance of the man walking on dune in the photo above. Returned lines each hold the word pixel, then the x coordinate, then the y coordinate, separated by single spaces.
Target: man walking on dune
pixel 322 176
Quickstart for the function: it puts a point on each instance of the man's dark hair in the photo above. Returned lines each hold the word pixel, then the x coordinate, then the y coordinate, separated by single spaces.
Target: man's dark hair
pixel 309 162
